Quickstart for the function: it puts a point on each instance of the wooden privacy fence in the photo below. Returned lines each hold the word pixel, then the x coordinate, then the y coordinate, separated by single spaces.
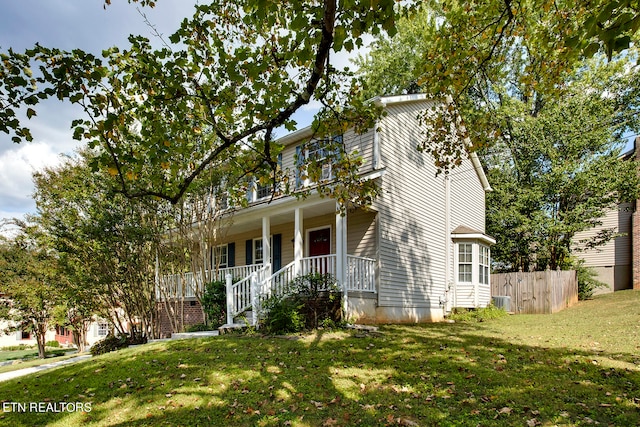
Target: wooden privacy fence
pixel 537 292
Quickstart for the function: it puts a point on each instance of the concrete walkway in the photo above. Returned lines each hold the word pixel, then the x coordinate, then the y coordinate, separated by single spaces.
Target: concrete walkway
pixel 26 371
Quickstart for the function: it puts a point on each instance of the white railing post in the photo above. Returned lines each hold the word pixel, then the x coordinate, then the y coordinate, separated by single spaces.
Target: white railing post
pixel 229 279
pixel 254 297
pixel 298 250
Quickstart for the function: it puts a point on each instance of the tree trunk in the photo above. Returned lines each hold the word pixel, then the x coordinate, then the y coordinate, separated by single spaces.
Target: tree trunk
pixel 40 337
pixel 80 337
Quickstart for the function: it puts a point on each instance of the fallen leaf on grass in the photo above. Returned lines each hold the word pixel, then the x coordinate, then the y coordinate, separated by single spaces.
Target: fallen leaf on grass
pixel 406 422
pixel 506 410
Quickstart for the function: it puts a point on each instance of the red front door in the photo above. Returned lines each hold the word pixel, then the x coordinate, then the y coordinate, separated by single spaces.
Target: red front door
pixel 320 242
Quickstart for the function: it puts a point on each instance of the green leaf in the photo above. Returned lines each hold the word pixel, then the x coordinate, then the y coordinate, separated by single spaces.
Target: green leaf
pixel 30 113
pixel 339 35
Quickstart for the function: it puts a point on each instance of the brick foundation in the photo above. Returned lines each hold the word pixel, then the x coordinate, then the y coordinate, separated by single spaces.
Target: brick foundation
pixel 192 315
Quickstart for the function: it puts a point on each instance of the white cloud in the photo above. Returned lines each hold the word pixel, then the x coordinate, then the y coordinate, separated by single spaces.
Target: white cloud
pixel 16 168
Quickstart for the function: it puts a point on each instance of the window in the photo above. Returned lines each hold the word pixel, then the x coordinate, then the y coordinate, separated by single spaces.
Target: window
pixel 484 265
pixel 265 190
pixel 103 329
pixel 258 252
pixel 24 335
pixel 465 262
pixel 323 153
pixel 223 201
pixel 220 256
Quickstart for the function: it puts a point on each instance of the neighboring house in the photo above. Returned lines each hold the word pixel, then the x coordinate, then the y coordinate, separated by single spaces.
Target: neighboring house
pixel 416 253
pixel 97 330
pixel 617 263
pixel 19 337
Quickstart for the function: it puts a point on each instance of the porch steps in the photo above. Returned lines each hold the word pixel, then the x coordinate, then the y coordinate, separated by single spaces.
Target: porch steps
pixel 239 322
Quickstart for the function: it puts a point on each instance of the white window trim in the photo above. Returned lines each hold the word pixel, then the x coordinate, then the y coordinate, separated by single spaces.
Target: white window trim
pixel 256 241
pixel 256 186
pixel 214 256
pixel 458 263
pixel 482 266
pixel 476 262
pixel 327 167
pixel 102 331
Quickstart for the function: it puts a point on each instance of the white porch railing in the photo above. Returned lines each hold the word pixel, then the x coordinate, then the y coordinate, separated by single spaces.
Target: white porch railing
pixel 361 274
pixel 238 272
pixel 278 282
pixel 188 285
pixel 258 282
pixel 244 295
pixel 323 264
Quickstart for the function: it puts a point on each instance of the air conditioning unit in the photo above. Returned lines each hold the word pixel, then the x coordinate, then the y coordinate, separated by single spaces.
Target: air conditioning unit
pixel 502 302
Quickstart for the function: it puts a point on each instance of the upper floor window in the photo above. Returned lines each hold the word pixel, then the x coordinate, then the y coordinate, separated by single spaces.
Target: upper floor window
pixel 264 190
pixel 323 154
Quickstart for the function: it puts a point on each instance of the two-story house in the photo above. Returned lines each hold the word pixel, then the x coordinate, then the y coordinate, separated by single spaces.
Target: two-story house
pixel 418 251
pixel 617 263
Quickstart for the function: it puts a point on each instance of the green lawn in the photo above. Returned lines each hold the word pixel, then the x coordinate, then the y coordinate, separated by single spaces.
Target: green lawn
pixel 577 367
pixel 30 353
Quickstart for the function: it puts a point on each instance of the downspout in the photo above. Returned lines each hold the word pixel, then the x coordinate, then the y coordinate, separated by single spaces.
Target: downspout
pixel 447 242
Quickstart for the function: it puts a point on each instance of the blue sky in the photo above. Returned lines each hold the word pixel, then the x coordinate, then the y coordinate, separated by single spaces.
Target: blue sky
pixel 65 24
pixel 69 24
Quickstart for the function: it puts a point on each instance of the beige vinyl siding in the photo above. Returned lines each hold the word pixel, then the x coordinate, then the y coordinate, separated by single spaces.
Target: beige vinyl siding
pixel 361 234
pixel 611 262
pixel 618 250
pixel 465 295
pixel 467 198
pixel 360 145
pixel 287 249
pixel 411 219
pixel 467 205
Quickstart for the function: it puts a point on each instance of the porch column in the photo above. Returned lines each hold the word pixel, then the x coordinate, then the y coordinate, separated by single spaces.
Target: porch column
pixel 266 241
pixel 341 253
pixel 298 248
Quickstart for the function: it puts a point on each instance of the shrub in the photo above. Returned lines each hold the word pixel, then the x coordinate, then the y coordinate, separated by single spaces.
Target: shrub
pixel 214 303
pixel 18 347
pixel 477 314
pixel 587 282
pixel 284 316
pixel 52 344
pixel 311 301
pixel 113 343
pixel 109 343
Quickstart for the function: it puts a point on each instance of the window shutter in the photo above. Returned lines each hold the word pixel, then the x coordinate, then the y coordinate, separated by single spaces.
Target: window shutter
pixel 250 192
pixel 249 252
pixel 231 254
pixel 277 252
pixel 299 163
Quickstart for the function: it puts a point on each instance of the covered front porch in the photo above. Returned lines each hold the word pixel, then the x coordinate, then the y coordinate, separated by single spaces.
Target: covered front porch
pixel 282 241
